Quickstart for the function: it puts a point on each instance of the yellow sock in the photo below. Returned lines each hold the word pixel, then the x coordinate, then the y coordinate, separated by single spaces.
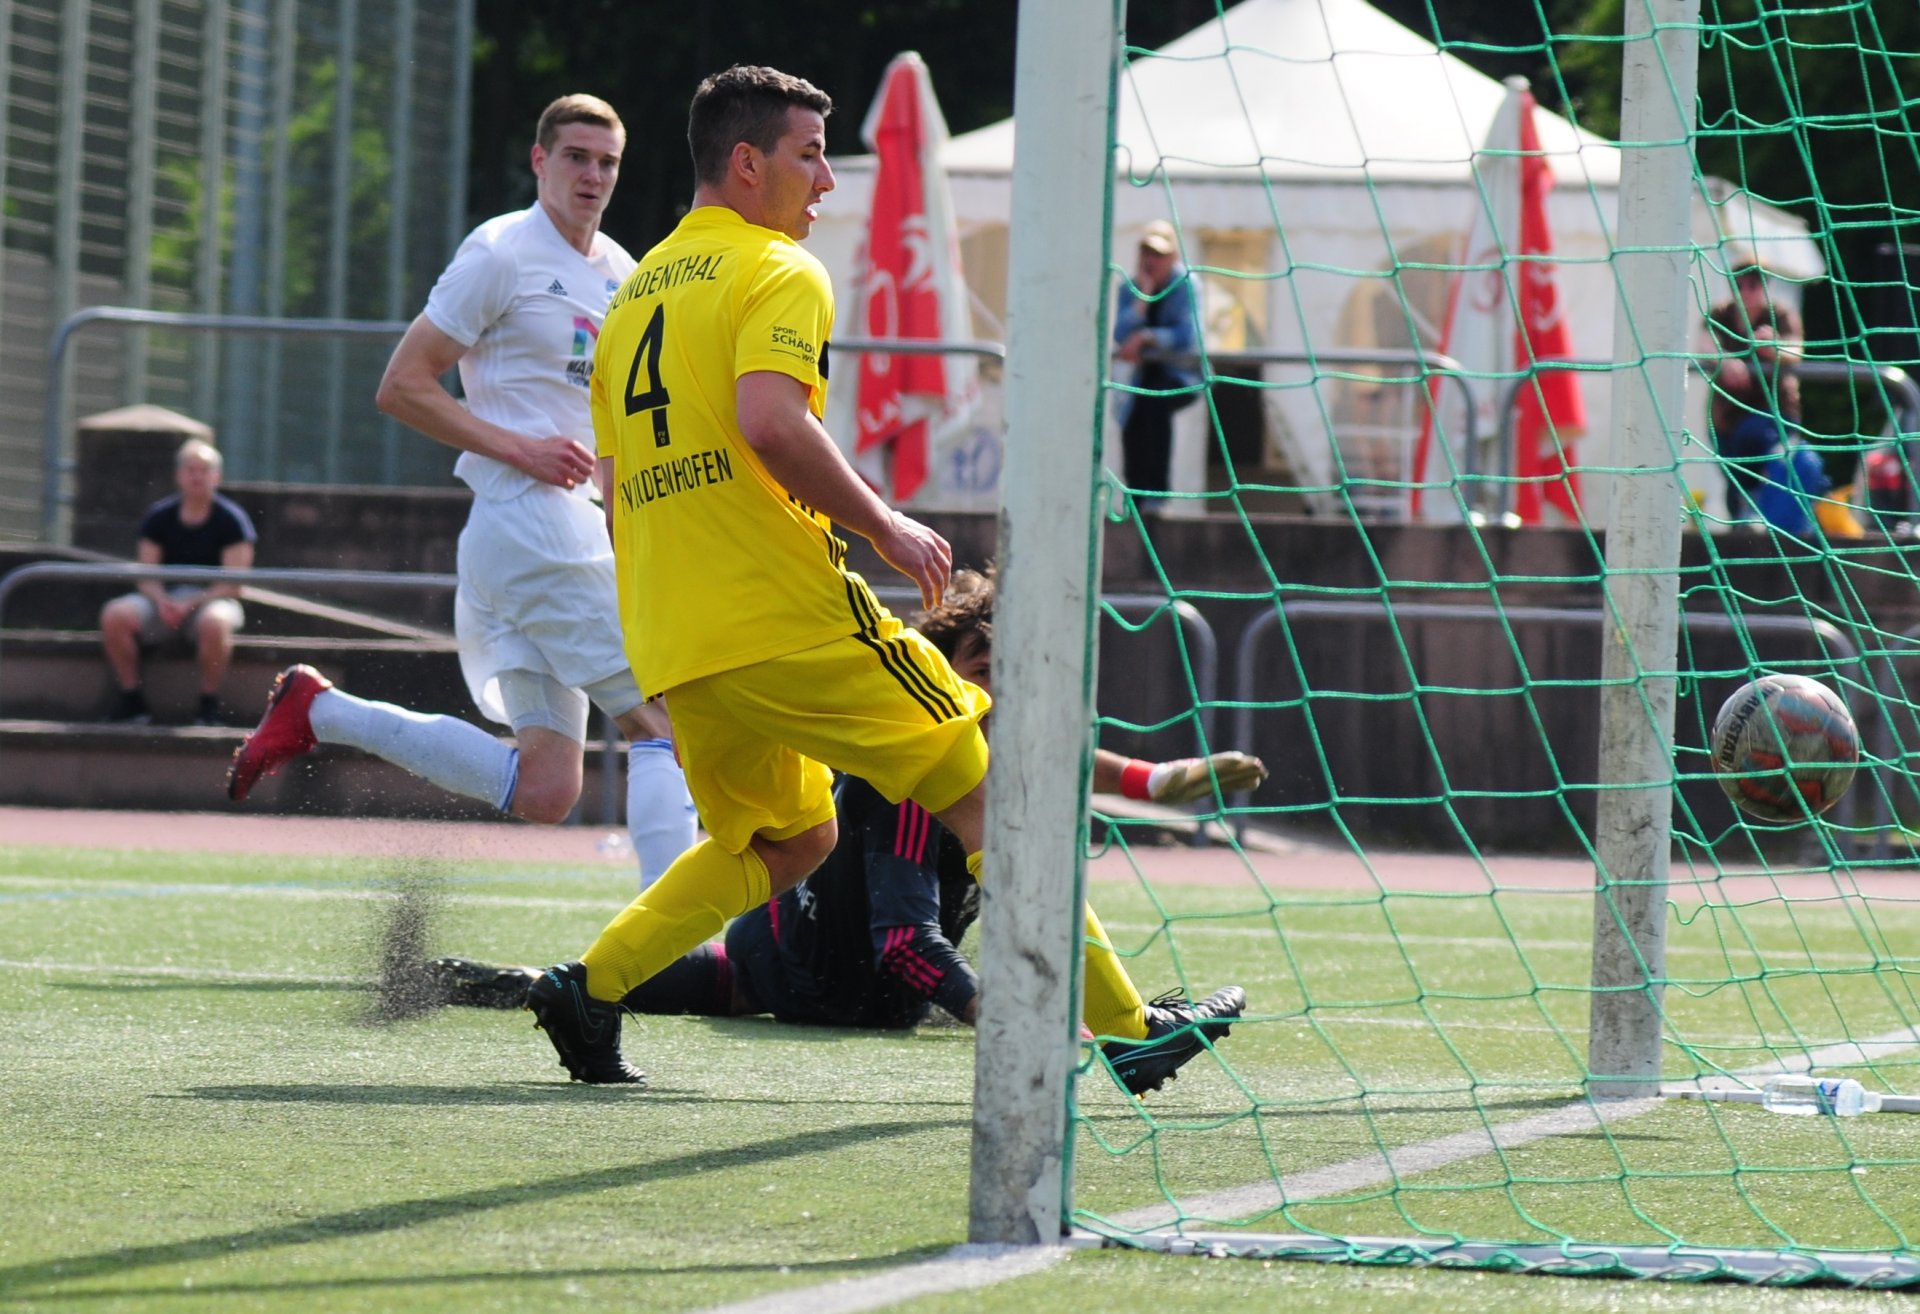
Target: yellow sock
pixel 688 905
pixel 973 864
pixel 1110 1005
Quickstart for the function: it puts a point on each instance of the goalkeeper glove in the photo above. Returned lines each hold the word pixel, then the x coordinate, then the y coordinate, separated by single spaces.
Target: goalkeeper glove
pixel 1189 778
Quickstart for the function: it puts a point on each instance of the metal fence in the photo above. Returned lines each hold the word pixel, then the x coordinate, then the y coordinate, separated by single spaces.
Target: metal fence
pixel 285 158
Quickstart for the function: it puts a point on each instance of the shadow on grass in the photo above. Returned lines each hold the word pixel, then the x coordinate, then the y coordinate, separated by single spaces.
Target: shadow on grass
pixel 758 1024
pixel 376 1219
pixel 805 1272
pixel 532 1092
pixel 526 1093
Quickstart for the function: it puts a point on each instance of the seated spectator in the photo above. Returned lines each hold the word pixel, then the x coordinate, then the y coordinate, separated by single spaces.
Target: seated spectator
pixel 1772 474
pixel 194 527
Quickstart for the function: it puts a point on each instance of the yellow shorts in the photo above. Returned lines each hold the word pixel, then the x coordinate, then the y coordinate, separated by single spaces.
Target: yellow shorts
pixel 759 744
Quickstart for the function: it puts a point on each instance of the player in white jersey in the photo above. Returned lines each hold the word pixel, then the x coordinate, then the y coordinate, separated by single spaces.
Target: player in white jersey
pixel 518 310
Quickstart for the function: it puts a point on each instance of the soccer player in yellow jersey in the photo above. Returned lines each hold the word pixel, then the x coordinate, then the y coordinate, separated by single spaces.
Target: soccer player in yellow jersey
pixel 777 664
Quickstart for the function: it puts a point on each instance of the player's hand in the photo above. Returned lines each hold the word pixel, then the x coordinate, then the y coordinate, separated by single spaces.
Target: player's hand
pixel 1189 778
pixel 1733 374
pixel 558 461
pixel 918 553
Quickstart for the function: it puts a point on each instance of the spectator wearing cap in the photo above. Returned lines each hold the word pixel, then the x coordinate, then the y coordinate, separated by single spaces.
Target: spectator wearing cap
pixel 1155 321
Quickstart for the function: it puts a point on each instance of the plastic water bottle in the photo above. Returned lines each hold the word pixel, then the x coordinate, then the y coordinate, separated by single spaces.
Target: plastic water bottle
pixel 1803 1095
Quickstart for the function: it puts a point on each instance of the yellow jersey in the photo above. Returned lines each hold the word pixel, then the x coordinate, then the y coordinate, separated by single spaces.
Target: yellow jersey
pixel 719 567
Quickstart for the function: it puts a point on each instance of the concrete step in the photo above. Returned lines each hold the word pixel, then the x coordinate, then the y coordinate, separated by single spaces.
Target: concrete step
pixel 183 768
pixel 60 675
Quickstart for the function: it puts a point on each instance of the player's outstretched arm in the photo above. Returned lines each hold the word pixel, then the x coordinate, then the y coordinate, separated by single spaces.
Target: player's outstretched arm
pixel 1178 781
pixel 410 392
pixel 799 452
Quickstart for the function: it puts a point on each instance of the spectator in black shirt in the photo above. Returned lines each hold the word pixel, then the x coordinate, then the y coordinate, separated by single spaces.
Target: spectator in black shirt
pixel 194 527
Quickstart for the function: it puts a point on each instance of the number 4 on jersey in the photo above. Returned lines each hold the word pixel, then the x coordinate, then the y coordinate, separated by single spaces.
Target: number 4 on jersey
pixel 655 398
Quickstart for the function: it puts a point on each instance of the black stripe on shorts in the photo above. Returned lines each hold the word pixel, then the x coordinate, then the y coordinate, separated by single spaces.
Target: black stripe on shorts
pixel 896 658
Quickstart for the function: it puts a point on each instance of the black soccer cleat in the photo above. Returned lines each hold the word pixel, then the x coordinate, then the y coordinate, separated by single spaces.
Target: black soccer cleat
pixel 1176 1031
pixel 467 984
pixel 585 1031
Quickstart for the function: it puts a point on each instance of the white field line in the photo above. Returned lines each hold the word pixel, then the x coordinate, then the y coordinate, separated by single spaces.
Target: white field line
pixel 1186 927
pixel 53 887
pixel 179 973
pixel 174 971
pixel 1378 1169
pixel 972 1267
pixel 964 1268
pixel 37 888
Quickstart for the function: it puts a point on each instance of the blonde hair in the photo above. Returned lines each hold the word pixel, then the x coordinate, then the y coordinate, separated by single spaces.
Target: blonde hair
pixel 577 108
pixel 201 448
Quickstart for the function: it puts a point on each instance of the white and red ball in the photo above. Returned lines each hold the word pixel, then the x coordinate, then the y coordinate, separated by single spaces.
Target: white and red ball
pixel 1784 748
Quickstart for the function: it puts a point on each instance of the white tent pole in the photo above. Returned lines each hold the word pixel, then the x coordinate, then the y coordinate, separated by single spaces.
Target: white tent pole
pixel 1043 621
pixel 1650 330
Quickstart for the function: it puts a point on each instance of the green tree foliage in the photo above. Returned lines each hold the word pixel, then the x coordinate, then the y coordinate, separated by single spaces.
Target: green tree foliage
pixel 1808 106
pixel 526 55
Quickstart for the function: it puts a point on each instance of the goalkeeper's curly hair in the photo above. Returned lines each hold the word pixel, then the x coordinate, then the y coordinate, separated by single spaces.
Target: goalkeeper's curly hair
pixel 963 622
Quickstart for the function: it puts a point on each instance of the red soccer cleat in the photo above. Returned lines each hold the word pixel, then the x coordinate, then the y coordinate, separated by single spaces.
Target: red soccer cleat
pixel 284 731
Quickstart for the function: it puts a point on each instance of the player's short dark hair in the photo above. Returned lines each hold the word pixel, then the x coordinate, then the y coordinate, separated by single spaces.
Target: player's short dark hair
pixel 748 102
pixel 577 108
pixel 964 619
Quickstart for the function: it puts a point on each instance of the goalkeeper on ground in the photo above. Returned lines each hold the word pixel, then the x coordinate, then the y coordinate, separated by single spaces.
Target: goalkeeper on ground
pixel 870 938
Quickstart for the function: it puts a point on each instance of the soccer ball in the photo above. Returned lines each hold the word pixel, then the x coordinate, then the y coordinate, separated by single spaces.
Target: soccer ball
pixel 1785 748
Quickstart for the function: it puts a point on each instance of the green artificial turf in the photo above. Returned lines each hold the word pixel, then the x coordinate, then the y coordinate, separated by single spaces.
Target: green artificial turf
pixel 199 1113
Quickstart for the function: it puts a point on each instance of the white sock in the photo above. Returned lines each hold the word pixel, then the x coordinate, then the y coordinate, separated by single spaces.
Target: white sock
pixel 459 757
pixel 660 816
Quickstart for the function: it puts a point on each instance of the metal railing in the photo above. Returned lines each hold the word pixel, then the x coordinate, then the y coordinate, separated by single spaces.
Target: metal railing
pixel 1419 367
pixel 405 581
pixel 1865 710
pixel 57 466
pixel 921 347
pixel 1903 397
pixel 1205 647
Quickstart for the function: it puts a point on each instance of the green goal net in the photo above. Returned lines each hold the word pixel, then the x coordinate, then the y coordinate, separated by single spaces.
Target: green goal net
pixel 1380 557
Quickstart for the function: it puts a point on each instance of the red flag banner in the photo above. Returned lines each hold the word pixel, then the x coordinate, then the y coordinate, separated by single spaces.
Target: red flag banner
pixel 1503 316
pixel 1549 411
pixel 902 296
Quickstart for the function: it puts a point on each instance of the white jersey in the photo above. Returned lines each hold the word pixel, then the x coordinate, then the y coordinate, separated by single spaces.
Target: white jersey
pixel 528 308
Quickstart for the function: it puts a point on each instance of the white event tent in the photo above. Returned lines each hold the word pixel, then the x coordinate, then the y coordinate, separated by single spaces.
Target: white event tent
pixel 1325 155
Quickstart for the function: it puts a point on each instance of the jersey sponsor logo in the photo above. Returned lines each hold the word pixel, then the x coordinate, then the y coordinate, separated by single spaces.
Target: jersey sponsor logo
pixel 701 470
pixel 792 342
pixel 556 288
pixel 585 334
pixel 669 274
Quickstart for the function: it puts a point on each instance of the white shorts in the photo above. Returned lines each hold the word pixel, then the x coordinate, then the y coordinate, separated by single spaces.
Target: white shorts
pixel 537 594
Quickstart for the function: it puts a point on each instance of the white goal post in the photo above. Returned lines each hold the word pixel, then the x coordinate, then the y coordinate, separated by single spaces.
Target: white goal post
pixel 1043 620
